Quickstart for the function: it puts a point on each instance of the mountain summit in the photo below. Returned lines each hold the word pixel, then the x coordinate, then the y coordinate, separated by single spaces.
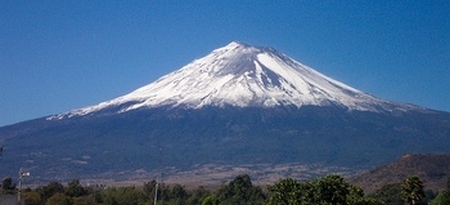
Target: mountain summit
pixel 240 105
pixel 244 76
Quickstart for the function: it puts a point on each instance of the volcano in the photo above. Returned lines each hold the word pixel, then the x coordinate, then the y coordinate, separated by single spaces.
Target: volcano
pixel 240 75
pixel 238 105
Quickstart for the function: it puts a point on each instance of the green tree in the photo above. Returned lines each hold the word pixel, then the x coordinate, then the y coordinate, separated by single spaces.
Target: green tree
pixel 32 198
pixel 412 190
pixel 331 189
pixel 210 200
pixel 197 196
pixel 164 192
pixel 74 189
pixel 58 199
pixel 356 197
pixel 84 200
pixel 240 191
pixel 389 194
pixel 51 189
pixel 123 196
pixel 328 190
pixel 441 199
pixel 149 191
pixel 444 197
pixel 7 186
pixel 285 192
pixel 177 195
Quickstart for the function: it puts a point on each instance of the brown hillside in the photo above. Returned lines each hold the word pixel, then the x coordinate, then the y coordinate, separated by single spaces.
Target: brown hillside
pixel 432 169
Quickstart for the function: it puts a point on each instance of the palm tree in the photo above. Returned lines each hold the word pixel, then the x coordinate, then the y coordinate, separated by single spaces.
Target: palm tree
pixel 412 190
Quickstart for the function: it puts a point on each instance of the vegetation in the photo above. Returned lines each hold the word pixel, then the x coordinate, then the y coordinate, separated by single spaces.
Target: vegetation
pixel 412 190
pixel 332 190
pixel 444 197
pixel 389 194
pixel 328 190
pixel 240 191
pixel 7 186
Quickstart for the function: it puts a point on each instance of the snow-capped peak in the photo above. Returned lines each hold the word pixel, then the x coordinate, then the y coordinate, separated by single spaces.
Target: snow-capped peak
pixel 242 75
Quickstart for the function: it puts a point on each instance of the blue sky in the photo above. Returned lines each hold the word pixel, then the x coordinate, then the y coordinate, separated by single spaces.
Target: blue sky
pixel 60 55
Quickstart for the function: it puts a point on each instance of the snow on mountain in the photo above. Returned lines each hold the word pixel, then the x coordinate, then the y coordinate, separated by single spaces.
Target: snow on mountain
pixel 243 75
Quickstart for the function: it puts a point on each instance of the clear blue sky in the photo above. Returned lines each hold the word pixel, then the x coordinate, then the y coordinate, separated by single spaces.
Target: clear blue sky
pixel 59 55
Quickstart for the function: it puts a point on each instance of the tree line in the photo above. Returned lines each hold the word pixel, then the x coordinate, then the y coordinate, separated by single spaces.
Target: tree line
pixel 327 190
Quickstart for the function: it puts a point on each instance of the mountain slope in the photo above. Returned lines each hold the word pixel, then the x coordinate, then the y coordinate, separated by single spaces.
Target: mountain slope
pixel 239 105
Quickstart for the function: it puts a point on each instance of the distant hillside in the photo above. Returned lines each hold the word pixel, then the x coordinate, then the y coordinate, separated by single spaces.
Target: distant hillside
pixel 433 170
